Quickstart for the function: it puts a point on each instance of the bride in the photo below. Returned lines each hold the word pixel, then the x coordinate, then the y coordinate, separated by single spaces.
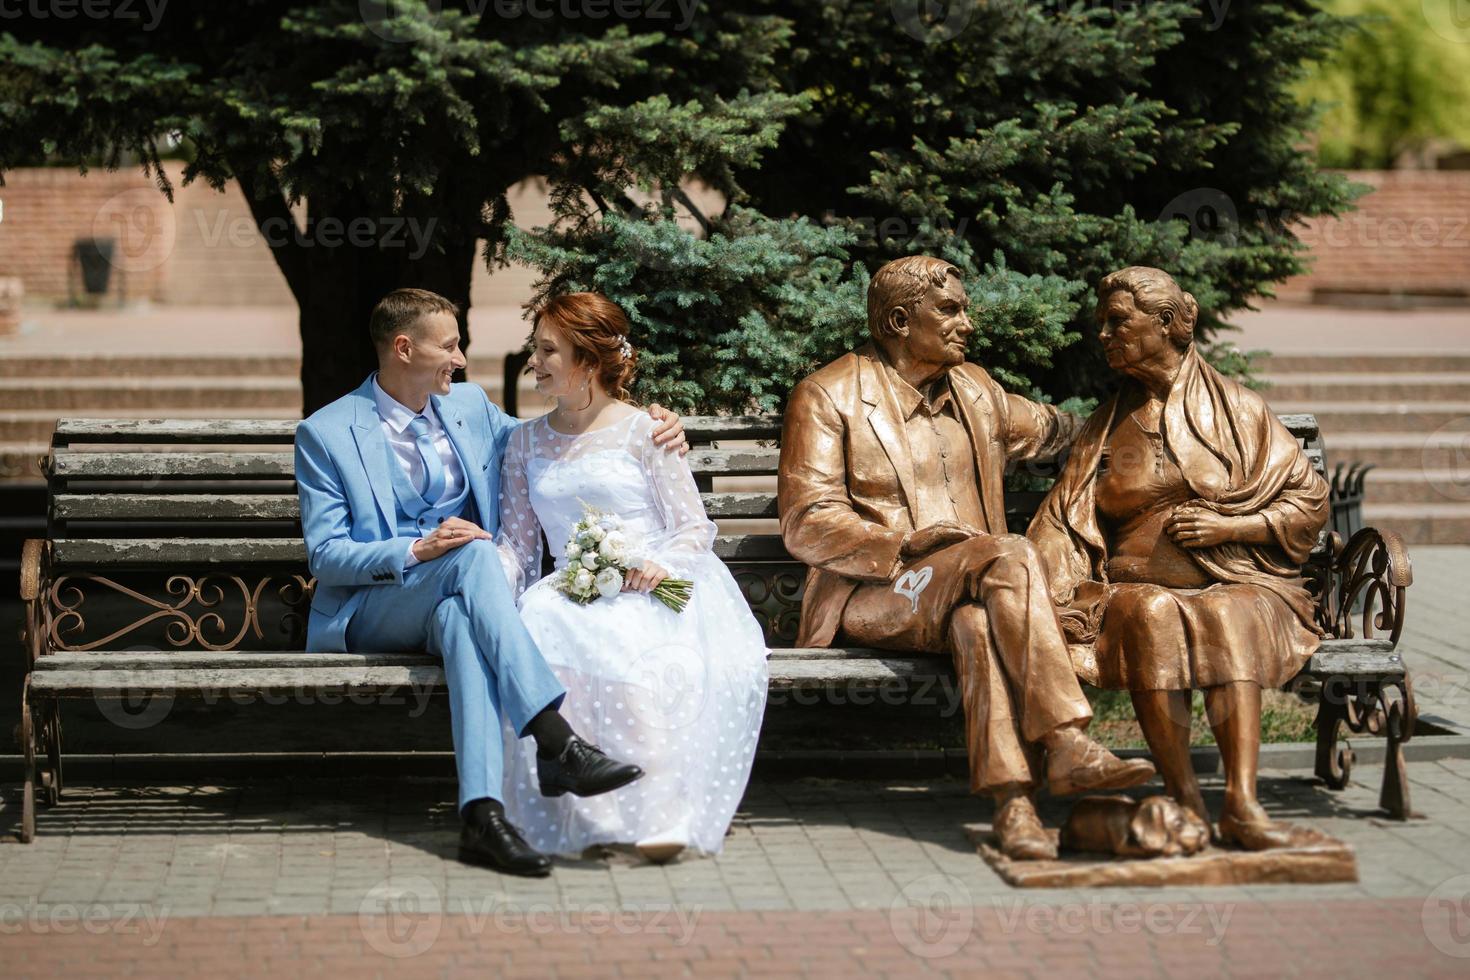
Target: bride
pixel 679 694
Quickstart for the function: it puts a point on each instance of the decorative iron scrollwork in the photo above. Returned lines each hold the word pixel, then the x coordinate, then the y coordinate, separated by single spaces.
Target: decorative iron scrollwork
pixel 195 616
pixel 1368 580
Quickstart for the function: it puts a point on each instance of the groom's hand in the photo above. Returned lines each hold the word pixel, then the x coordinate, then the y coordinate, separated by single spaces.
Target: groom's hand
pixel 669 432
pixel 453 533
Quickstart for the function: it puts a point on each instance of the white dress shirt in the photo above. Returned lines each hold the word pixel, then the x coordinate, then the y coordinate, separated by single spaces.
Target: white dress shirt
pixel 396 419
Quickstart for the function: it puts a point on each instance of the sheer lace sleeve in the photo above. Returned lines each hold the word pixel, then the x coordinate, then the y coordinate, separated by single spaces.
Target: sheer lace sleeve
pixel 688 530
pixel 519 537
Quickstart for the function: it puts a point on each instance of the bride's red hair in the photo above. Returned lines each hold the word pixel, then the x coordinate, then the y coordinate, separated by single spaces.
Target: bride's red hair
pixel 597 330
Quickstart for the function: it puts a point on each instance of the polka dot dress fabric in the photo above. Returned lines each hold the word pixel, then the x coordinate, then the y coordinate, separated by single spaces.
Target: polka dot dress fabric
pixel 679 694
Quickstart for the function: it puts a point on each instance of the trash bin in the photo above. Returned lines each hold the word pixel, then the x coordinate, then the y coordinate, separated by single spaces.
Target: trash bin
pixel 95 257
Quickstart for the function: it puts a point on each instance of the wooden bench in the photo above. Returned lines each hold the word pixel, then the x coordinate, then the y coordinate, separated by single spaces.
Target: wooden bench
pixel 174 565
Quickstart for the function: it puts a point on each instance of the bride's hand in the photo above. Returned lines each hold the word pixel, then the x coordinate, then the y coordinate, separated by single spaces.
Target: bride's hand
pixel 669 433
pixel 644 579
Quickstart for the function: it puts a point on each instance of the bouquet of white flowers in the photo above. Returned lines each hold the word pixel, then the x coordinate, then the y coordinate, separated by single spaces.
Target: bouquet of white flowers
pixel 599 553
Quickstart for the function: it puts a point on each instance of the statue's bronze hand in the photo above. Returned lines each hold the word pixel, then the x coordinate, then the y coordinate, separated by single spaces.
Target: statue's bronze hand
pixel 1194 527
pixel 934 537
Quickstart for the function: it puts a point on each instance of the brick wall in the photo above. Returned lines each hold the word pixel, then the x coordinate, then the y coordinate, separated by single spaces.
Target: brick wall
pixel 47 209
pixel 1410 235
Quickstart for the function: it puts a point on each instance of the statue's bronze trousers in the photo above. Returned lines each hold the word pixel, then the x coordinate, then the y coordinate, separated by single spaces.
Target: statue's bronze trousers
pixel 986 602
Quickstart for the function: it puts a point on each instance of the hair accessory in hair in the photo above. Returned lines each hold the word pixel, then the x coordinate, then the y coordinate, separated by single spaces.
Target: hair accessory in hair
pixel 626 349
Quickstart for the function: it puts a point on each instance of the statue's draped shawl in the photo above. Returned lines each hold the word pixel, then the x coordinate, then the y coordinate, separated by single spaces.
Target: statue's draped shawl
pixel 1236 457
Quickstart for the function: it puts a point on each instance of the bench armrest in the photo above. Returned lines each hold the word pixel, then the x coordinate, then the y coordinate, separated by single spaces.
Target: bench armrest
pixel 1366 580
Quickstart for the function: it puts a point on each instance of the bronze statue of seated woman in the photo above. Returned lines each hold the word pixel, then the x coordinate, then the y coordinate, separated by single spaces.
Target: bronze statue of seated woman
pixel 1173 541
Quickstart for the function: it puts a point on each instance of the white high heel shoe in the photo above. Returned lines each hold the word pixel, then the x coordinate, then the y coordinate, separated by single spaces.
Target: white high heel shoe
pixel 664 847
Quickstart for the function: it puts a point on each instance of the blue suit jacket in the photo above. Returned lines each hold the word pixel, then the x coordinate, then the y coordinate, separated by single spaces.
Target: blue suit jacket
pixel 348 512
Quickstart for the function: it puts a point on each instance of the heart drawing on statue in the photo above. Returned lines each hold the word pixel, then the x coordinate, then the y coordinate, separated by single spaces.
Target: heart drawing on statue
pixel 913 583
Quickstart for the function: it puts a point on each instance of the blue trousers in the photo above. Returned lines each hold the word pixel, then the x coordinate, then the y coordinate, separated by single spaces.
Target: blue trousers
pixel 459 608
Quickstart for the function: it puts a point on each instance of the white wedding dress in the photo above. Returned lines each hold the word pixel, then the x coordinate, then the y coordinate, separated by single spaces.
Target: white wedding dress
pixel 679 694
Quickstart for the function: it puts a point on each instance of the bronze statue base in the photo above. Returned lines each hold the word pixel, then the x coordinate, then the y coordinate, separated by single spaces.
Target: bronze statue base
pixel 1321 864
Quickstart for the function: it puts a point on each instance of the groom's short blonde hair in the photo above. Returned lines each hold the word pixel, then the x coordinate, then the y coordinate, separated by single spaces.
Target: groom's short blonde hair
pixel 399 313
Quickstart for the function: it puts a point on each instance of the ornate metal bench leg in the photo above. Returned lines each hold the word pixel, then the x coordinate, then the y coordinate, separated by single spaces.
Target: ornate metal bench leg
pixel 25 733
pixel 50 731
pixel 1398 728
pixel 1334 764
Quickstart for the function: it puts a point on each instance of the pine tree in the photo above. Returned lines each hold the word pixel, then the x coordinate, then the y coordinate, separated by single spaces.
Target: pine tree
pixel 395 111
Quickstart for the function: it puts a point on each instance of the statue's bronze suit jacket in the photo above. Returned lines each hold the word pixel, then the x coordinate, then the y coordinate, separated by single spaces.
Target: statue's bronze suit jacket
pixel 846 489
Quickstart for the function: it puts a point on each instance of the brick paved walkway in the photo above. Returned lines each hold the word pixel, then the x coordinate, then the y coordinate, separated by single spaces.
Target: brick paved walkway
pixel 819 877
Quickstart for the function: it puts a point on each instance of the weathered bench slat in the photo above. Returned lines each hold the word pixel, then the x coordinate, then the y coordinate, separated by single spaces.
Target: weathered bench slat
pixel 700 428
pixel 426 675
pixel 740 504
pixel 169 466
pixel 285 507
pixel 748 461
pixel 1350 658
pixel 166 431
pixel 103 660
pixel 175 506
pixel 114 552
pixel 697 427
pixel 262 680
pixel 70 464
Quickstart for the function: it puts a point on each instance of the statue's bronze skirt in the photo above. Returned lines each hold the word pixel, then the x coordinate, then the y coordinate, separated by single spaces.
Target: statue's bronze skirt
pixel 1156 638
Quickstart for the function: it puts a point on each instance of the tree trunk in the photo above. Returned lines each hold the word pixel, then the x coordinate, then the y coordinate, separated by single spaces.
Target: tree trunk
pixel 337 283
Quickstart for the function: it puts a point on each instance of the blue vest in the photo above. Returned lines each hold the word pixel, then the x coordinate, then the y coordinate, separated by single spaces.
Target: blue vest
pixel 415 516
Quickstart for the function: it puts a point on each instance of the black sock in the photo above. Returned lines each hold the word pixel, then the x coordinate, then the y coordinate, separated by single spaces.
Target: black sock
pixel 476 812
pixel 551 732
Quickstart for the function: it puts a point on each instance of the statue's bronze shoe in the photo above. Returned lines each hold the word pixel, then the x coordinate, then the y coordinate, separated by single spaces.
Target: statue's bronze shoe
pixel 1020 834
pixel 1078 764
pixel 1267 835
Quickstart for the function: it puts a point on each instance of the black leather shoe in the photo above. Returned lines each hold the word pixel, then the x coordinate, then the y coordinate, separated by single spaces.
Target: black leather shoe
pixel 583 769
pixel 496 844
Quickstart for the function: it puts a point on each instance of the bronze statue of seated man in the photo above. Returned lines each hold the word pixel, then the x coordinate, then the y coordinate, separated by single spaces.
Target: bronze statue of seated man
pixel 1173 542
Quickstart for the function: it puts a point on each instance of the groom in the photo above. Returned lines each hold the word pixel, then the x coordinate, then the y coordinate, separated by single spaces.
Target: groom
pixel 399 484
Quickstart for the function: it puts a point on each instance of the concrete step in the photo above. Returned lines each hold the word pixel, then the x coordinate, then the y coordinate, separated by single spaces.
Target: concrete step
pixel 1351 362
pixel 99 396
pixel 1421 523
pixel 1442 450
pixel 160 397
pixel 1445 386
pixel 1355 418
pixel 147 366
pixel 1417 486
pixel 26 365
pixel 37 425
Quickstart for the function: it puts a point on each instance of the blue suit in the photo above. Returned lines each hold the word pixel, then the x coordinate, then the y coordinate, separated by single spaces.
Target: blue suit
pixel 358 529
